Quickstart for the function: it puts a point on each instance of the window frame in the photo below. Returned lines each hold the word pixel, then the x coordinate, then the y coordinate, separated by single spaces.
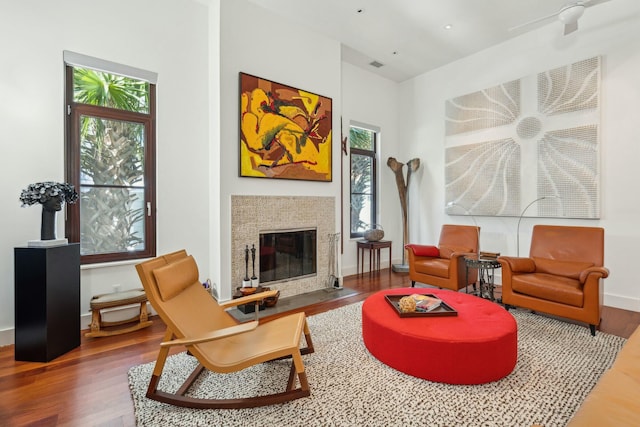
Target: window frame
pixel 73 112
pixel 373 154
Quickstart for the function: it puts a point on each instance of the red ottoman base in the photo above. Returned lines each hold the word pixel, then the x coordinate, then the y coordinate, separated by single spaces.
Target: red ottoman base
pixel 477 346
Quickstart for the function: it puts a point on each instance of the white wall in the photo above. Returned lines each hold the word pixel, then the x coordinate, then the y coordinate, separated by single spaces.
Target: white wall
pixel 615 36
pixel 257 42
pixel 170 37
pixel 373 100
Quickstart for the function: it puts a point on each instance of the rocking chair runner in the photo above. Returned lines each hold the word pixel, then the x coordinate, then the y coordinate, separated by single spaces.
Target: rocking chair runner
pixel 221 344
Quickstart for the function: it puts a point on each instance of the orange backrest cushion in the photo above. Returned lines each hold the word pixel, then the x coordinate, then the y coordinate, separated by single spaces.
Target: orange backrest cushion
pixel 571 269
pixel 458 238
pixel 175 277
pixel 568 243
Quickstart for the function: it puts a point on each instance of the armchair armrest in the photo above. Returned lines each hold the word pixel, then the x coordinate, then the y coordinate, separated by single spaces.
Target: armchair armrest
pixel 602 271
pixel 455 255
pixel 518 265
pixel 248 299
pixel 211 336
pixel 423 250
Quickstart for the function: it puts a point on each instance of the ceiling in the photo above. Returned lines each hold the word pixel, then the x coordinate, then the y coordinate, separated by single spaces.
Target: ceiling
pixel 409 37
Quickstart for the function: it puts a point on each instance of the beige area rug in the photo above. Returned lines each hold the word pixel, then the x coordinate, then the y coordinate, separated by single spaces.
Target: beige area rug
pixel 558 364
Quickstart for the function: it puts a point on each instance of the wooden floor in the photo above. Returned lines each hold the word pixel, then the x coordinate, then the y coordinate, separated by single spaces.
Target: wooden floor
pixel 88 386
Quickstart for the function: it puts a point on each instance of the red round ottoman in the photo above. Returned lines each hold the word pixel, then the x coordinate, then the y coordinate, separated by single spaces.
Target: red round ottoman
pixel 477 346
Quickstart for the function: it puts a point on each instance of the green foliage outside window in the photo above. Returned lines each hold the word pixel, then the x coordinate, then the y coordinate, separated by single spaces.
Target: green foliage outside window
pixel 111 163
pixel 362 144
pixel 110 90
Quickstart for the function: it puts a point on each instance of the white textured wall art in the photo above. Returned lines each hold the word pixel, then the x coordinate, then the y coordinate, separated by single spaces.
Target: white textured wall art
pixel 538 136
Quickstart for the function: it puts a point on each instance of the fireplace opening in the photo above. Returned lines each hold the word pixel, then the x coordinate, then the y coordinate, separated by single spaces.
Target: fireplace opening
pixel 287 254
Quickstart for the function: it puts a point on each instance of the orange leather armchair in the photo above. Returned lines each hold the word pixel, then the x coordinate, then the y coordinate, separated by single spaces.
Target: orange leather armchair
pixel 562 275
pixel 443 265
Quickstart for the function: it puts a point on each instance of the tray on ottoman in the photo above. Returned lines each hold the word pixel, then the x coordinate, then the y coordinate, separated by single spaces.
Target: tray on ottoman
pixel 443 310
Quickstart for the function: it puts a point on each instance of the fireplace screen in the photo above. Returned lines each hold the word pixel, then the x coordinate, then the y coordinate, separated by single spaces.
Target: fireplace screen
pixel 287 254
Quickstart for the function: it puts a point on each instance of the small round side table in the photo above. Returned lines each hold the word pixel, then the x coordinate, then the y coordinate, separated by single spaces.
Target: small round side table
pixel 486 269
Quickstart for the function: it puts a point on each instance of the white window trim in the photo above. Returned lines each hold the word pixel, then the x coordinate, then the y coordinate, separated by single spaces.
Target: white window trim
pixel 83 61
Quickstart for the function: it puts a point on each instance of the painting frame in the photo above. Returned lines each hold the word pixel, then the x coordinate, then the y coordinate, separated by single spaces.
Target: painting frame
pixel 285 132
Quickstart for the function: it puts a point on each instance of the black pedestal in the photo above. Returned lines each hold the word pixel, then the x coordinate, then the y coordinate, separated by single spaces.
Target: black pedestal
pixel 47 301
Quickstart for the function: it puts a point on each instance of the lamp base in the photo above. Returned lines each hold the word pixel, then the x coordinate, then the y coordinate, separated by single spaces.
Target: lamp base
pixel 400 268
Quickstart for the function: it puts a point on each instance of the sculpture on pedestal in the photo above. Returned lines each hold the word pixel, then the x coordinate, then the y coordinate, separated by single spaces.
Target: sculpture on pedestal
pixel 396 167
pixel 52 196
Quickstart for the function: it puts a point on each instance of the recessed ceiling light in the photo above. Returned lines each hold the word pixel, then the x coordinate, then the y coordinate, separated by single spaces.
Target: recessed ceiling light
pixel 448 27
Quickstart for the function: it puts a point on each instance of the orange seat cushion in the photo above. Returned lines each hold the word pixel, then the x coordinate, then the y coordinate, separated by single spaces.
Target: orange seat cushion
pixel 558 289
pixel 434 267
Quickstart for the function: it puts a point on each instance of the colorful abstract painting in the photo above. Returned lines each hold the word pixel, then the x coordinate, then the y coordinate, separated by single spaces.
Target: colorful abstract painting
pixel 284 132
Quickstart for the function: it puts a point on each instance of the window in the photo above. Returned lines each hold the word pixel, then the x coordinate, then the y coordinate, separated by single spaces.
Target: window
pixel 362 142
pixel 110 160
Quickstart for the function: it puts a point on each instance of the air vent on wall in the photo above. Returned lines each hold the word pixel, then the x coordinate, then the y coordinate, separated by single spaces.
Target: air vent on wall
pixel 376 64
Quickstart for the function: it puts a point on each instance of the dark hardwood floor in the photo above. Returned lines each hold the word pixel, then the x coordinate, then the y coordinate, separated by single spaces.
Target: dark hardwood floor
pixel 88 386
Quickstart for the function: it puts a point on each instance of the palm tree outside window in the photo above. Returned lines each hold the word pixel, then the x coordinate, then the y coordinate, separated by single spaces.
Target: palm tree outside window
pixel 362 143
pixel 110 158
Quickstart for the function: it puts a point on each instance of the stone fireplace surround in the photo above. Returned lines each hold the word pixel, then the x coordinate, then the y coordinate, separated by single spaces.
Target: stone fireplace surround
pixel 251 215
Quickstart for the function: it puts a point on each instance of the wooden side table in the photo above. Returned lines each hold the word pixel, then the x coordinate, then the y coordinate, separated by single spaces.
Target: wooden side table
pixel 374 254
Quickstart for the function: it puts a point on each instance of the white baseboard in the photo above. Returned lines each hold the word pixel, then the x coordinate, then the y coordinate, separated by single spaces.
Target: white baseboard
pixel 625 303
pixel 7 337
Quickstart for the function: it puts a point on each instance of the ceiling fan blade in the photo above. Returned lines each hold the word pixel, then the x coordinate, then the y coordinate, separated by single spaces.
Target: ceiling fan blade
pixel 570 28
pixel 534 21
pixel 594 2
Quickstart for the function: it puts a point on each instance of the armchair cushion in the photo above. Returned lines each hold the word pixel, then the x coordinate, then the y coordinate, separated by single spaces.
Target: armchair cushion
pixel 571 269
pixel 560 289
pixel 424 250
pixel 433 266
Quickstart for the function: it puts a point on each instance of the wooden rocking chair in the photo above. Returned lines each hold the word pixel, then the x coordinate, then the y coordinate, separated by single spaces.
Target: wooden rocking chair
pixel 220 344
